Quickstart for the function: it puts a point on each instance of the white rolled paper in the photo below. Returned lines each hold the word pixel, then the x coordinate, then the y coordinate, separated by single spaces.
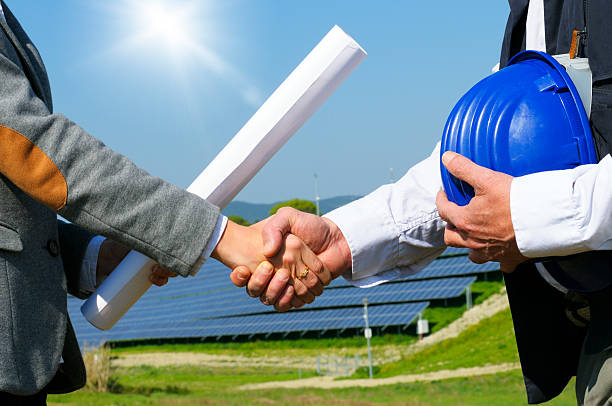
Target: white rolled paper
pixel 281 115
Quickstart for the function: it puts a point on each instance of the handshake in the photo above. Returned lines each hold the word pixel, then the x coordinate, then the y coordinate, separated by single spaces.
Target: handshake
pixel 285 260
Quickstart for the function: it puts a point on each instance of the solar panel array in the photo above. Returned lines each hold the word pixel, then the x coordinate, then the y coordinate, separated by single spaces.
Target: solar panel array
pixel 293 321
pixel 210 306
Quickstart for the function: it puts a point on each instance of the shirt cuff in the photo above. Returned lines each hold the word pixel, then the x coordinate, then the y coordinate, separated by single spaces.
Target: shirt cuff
pixel 212 243
pixel 545 215
pixel 381 238
pixel 87 280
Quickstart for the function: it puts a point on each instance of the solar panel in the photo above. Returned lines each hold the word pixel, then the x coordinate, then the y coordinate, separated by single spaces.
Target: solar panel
pixel 236 302
pixel 200 306
pixel 294 321
pixel 442 267
pixel 168 319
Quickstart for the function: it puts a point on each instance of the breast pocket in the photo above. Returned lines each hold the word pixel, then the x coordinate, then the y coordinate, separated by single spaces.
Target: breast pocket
pixel 9 239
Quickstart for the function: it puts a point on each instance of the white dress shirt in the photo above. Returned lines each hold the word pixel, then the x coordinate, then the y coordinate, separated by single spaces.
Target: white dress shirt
pixel 395 231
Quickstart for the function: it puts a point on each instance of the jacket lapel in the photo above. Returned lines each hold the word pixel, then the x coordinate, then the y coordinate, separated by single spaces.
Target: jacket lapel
pixel 33 74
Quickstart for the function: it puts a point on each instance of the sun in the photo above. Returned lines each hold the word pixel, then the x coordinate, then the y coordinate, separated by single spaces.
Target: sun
pixel 169 26
pixel 177 34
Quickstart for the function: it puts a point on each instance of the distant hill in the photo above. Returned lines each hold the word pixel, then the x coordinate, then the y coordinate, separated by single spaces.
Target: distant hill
pixel 253 212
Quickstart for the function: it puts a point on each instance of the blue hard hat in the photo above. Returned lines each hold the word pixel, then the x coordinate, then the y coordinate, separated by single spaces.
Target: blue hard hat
pixel 526 118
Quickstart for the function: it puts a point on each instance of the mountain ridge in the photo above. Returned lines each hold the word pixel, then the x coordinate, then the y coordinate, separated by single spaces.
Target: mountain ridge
pixel 253 212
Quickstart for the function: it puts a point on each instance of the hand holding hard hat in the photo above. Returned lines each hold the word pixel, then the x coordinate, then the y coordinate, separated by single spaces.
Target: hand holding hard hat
pixel 485 224
pixel 526 118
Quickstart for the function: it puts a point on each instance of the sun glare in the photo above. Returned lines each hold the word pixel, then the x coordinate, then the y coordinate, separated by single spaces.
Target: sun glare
pixel 169 26
pixel 182 29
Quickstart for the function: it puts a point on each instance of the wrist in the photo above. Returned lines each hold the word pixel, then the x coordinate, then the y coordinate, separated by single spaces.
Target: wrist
pixel 239 245
pixel 341 249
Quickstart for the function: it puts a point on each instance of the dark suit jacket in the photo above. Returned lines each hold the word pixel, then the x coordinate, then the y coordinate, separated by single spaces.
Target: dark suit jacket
pixel 50 165
pixel 549 344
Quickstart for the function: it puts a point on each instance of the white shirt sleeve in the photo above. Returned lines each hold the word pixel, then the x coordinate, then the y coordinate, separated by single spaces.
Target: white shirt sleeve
pixel 212 243
pixel 564 212
pixel 394 231
pixel 87 280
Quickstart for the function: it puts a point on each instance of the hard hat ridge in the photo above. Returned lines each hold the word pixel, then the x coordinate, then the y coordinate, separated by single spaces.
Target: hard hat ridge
pixel 525 118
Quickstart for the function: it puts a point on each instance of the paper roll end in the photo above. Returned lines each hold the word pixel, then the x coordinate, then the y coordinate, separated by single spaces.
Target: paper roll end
pixel 95 310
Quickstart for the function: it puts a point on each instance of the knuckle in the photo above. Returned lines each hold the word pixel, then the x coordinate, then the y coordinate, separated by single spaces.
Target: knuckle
pixel 284 211
pixel 292 242
pixel 317 267
pixel 289 257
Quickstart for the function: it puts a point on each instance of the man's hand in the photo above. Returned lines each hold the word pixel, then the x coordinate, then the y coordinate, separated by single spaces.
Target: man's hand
pixel 295 267
pixel 321 235
pixel 485 224
pixel 112 253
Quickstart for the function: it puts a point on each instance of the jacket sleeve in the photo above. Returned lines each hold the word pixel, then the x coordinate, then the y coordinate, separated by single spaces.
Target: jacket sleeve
pixel 73 241
pixel 57 163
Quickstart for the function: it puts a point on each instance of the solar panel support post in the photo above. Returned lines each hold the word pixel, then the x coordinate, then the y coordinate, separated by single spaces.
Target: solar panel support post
pixel 468 297
pixel 368 334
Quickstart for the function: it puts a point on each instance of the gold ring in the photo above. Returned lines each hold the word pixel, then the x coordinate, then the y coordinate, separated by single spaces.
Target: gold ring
pixel 304 273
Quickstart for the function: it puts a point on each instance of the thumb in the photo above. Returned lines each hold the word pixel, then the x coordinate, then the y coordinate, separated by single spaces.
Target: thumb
pixel 240 276
pixel 275 229
pixel 464 169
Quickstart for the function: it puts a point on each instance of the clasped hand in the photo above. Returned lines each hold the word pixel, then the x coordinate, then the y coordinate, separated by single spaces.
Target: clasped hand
pixel 285 260
pixel 485 224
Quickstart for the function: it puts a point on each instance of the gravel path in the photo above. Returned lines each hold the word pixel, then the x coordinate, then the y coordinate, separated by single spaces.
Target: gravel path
pixel 327 382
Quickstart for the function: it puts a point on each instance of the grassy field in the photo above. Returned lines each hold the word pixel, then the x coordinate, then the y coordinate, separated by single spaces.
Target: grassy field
pixel 489 342
pixel 191 386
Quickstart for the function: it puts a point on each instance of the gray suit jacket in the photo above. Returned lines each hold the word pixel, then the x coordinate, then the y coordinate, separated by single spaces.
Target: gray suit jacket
pixel 50 165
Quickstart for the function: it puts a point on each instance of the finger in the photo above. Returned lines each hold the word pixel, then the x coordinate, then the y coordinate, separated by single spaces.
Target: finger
pixel 259 280
pixel 297 302
pixel 454 238
pixel 274 230
pixel 487 254
pixel 284 301
pixel 448 211
pixel 464 169
pixel 158 280
pixel 316 267
pixel 163 272
pixel 508 267
pixel 302 291
pixel 276 287
pixel 310 280
pixel 478 256
pixel 240 276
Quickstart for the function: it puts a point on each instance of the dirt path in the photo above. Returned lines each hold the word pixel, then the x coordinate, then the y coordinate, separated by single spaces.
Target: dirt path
pixel 383 354
pixel 327 382
pixel 159 359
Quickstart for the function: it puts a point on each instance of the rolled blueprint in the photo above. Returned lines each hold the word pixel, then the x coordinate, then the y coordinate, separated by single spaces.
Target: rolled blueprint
pixel 281 115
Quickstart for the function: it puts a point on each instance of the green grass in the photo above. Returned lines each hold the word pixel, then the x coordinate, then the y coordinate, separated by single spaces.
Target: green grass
pixel 499 389
pixel 489 342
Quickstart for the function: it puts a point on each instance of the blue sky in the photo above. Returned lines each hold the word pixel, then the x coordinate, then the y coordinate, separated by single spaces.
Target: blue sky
pixel 171 109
